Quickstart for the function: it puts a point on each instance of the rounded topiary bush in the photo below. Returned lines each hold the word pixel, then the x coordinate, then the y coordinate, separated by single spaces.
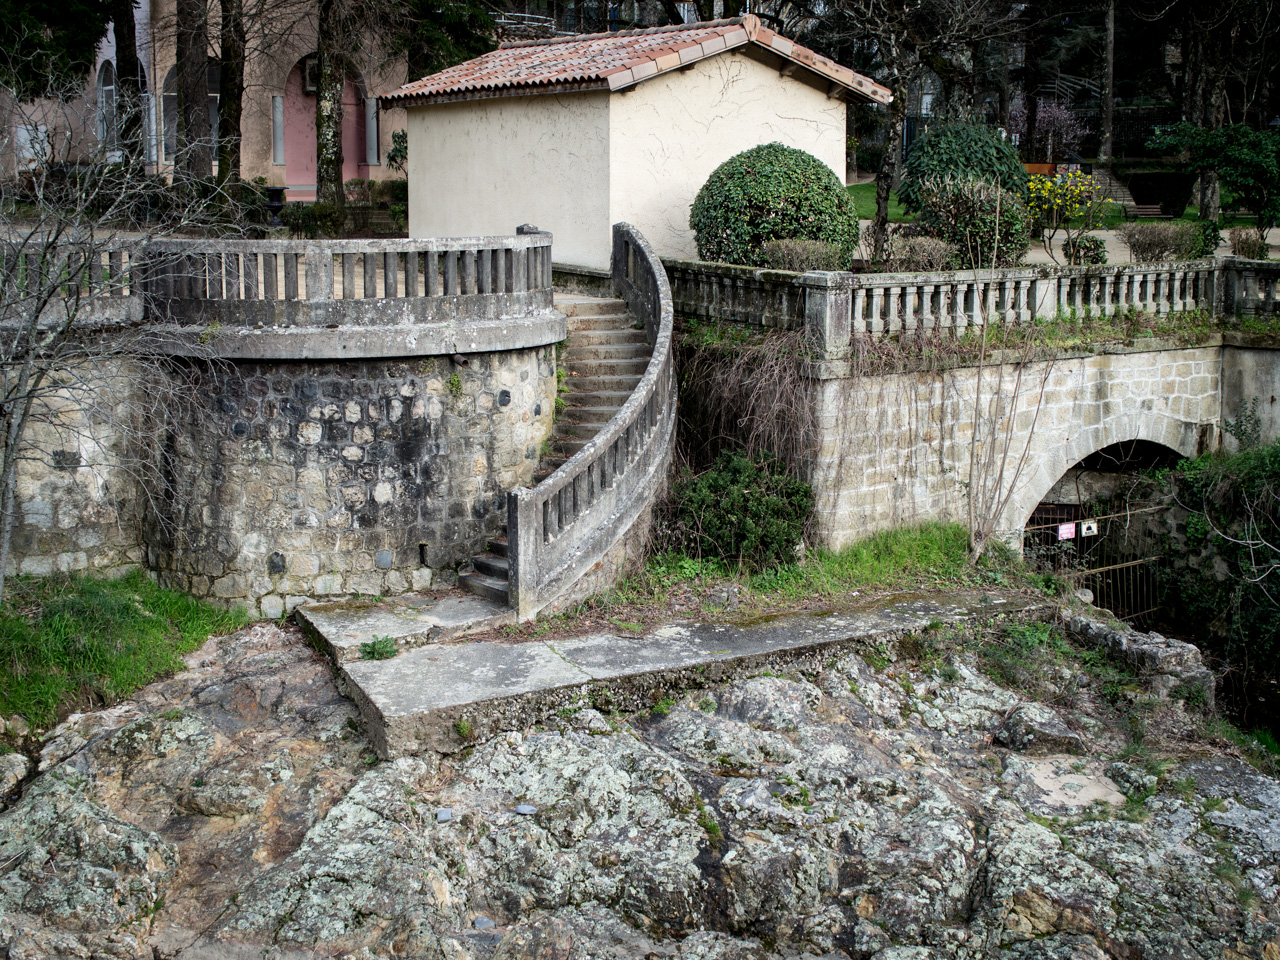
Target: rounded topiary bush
pixel 771 192
pixel 985 225
pixel 742 509
pixel 966 151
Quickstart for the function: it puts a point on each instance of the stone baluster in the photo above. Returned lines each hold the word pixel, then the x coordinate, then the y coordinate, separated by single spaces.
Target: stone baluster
pixel 927 321
pixel 959 317
pixel 876 327
pixel 892 302
pixel 1108 306
pixel 858 324
pixel 1024 301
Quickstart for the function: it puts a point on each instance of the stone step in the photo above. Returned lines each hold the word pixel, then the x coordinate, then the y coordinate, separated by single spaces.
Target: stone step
pixel 634 367
pixel 600 324
pixel 448 698
pixel 606 399
pixel 577 306
pixel 498 545
pixel 576 353
pixel 578 431
pixel 483 585
pixel 602 384
pixel 597 415
pixel 491 565
pixel 591 338
pixel 411 621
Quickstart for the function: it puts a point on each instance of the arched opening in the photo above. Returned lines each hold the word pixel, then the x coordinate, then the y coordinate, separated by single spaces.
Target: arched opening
pixel 298 115
pixel 1085 529
pixel 169 119
pixel 107 104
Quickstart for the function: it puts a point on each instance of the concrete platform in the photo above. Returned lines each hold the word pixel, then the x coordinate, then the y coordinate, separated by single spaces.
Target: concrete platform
pixel 411 621
pixel 444 696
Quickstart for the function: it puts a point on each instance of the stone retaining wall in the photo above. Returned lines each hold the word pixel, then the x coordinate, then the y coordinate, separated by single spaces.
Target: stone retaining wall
pixel 368 440
pixel 306 480
pixel 896 449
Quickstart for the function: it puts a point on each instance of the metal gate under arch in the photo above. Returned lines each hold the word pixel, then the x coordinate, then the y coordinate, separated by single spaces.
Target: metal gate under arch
pixel 1110 554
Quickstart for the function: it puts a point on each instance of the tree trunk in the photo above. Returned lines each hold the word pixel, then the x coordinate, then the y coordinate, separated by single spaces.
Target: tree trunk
pixel 195 154
pixel 1033 117
pixel 897 121
pixel 128 86
pixel 1108 87
pixel 231 93
pixel 1210 194
pixel 332 78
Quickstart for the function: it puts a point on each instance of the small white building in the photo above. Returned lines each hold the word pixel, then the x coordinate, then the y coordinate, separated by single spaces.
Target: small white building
pixel 576 133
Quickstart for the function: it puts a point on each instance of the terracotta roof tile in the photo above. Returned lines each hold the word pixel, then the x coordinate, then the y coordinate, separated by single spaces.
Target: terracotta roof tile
pixel 613 61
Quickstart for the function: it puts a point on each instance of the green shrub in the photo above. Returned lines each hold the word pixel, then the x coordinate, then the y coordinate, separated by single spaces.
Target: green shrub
pixel 1207 237
pixel 742 509
pixel 390 192
pixel 328 222
pixel 771 192
pixel 1152 242
pixel 802 255
pixel 1085 250
pixel 398 155
pixel 960 151
pixel 988 226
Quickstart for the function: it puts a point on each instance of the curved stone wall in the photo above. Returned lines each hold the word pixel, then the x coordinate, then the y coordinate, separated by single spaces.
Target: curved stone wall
pixel 300 480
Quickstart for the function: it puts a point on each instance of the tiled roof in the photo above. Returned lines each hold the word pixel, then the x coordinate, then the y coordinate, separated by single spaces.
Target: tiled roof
pixel 614 61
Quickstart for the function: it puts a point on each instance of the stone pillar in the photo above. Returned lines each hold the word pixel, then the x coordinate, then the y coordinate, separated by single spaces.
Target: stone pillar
pixel 828 305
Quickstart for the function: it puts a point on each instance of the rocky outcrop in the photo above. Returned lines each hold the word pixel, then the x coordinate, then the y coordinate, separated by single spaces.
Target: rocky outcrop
pixel 1169 666
pixel 867 810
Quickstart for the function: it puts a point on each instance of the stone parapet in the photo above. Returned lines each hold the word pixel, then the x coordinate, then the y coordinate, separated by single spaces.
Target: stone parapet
pixel 836 308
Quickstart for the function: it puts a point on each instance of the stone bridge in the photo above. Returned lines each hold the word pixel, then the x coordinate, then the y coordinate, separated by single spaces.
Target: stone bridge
pixel 933 442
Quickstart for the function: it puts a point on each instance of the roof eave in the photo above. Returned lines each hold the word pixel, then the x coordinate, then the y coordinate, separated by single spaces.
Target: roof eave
pixel 856 87
pixel 388 100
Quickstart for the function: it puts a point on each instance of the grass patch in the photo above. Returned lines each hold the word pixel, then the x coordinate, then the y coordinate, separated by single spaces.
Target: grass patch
pixel 379 648
pixel 934 552
pixel 864 199
pixel 72 642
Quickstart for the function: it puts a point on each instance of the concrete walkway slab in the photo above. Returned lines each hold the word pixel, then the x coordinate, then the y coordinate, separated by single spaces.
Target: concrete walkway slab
pixel 411 621
pixel 444 696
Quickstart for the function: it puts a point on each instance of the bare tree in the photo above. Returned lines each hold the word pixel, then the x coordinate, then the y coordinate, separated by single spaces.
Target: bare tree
pixel 74 236
pixel 908 40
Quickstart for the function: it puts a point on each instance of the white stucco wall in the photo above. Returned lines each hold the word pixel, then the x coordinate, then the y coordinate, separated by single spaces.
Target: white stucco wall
pixel 485 166
pixel 668 134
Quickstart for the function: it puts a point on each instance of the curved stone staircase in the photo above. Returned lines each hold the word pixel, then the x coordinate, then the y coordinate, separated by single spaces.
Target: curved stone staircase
pixel 604 359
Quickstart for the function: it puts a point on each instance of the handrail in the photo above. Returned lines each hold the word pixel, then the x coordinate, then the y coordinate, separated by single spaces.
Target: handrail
pixel 567 524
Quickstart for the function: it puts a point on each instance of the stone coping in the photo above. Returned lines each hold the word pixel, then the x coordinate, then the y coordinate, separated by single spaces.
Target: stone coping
pixel 362 343
pixel 843 369
pixel 443 697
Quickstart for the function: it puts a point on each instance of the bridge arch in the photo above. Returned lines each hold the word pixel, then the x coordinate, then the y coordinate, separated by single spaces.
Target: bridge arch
pixel 1046 469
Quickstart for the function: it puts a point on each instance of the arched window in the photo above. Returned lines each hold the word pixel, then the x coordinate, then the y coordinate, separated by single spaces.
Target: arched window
pixel 169 109
pixel 107 104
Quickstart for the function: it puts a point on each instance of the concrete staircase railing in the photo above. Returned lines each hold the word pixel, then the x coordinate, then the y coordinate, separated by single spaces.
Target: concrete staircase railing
pixel 574 520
